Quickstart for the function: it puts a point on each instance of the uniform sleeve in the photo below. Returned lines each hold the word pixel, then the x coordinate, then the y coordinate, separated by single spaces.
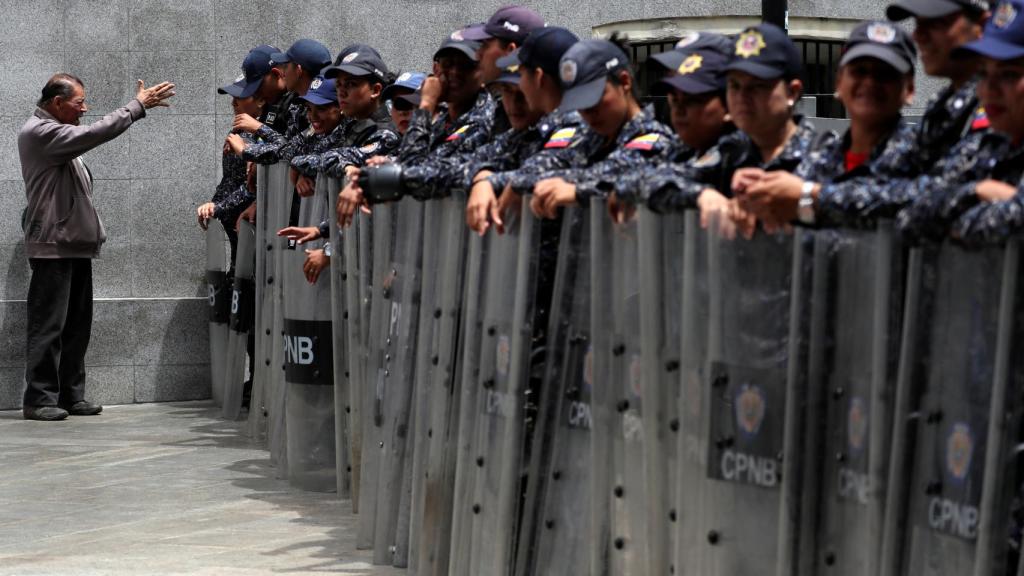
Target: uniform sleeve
pixel 269 148
pixel 674 187
pixel 382 142
pixel 603 178
pixel 991 223
pixel 232 203
pixel 309 164
pixel 416 142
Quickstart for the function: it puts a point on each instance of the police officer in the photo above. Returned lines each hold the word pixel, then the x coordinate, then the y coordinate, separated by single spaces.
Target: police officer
pixel 406 84
pixel 503 33
pixel 514 173
pixel 762 87
pixel 874 82
pixel 622 135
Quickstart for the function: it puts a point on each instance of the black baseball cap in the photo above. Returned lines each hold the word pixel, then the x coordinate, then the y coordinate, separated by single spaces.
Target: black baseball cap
pixel 882 41
pixel 765 51
pixel 543 49
pixel 513 23
pixel 255 66
pixel 932 8
pixel 585 68
pixel 309 54
pixel 1004 34
pixel 691 42
pixel 358 60
pixel 458 41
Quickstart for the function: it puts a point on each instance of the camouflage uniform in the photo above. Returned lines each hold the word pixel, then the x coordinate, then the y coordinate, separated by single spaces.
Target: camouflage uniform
pixel 232 195
pixel 273 146
pixel 559 131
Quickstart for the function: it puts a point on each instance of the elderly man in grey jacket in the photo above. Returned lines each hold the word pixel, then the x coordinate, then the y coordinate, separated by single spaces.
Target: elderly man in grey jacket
pixel 63 234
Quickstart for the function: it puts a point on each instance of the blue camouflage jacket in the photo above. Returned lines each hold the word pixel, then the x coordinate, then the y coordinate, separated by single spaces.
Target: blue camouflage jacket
pixel 232 195
pixel 273 146
pixel 992 223
pixel 559 132
pixel 351 144
pixel 672 187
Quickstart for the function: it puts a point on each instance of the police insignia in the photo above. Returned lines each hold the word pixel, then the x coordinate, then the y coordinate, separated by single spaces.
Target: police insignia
pixel 750 44
pixel 561 138
pixel 457 134
pixel 457 36
pixel 240 78
pixel 692 63
pixel 405 76
pixel 882 33
pixel 350 57
pixel 687 39
pixel 503 355
pixel 568 71
pixel 856 425
pixel 710 158
pixel 645 142
pixel 512 69
pixel 369 148
pixel 980 120
pixel 316 83
pixel 959 451
pixel 1004 16
pixel 750 410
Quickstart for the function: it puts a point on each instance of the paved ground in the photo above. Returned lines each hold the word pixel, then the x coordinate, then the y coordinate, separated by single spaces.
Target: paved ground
pixel 160 489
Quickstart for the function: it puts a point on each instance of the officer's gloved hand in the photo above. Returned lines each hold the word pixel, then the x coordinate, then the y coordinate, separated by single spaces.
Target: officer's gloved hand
pixel 381 183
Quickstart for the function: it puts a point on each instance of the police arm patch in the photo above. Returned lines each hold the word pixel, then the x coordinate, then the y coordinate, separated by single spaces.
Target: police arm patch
pixel 561 138
pixel 457 134
pixel 645 142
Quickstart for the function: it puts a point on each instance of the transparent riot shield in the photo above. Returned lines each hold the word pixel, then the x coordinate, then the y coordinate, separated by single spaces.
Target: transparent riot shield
pixel 861 271
pixel 966 468
pixel 243 294
pixel 559 541
pixel 395 376
pixel 218 287
pixel 507 309
pixel 372 391
pixel 308 360
pixel 340 316
pixel 740 417
pixel 279 201
pixel 431 518
pixel 263 317
pixel 356 279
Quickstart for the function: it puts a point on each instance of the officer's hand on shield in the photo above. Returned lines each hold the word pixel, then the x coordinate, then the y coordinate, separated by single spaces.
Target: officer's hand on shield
pixel 245 123
pixel 235 142
pixel 250 176
pixel 549 195
pixel 482 207
pixel 249 215
pixel 508 203
pixel 773 198
pixel 205 213
pixel 305 186
pixel 349 199
pixel 620 211
pixel 300 234
pixel 156 96
pixel 316 261
pixel 378 161
pixel 994 191
pixel 741 220
pixel 744 178
pixel 712 204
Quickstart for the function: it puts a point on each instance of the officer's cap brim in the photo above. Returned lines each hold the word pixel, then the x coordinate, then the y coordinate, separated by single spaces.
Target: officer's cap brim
pixel 509 61
pixel 990 47
pixel 585 95
pixel 878 52
pixel 477 33
pixel 241 89
pixel 921 9
pixel 757 70
pixel 467 49
pixel 413 98
pixel 317 100
pixel 280 58
pixel 687 84
pixel 506 78
pixel 670 59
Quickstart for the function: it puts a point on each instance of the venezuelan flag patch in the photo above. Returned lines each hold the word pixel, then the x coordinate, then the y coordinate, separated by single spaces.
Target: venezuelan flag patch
pixel 645 142
pixel 561 138
pixel 980 120
pixel 457 134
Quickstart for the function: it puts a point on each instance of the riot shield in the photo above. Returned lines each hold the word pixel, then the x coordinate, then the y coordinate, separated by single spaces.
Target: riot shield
pixel 507 307
pixel 279 201
pixel 740 451
pixel 395 376
pixel 339 318
pixel 966 431
pixel 263 317
pixel 218 287
pixel 357 280
pixel 243 296
pixel 559 541
pixel 308 360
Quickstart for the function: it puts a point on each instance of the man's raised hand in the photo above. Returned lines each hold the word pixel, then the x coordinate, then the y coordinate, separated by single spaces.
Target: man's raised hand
pixel 154 96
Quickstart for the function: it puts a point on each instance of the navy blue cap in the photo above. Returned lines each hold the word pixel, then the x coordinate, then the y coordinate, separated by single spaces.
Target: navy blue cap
pixel 694 42
pixel 321 91
pixel 585 68
pixel 543 49
pixel 408 80
pixel 509 75
pixel 458 41
pixel 513 23
pixel 358 60
pixel 932 8
pixel 701 72
pixel 765 51
pixel 255 66
pixel 1003 38
pixel 881 41
pixel 309 54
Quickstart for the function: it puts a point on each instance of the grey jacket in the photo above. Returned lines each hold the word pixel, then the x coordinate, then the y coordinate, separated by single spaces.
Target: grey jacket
pixel 60 220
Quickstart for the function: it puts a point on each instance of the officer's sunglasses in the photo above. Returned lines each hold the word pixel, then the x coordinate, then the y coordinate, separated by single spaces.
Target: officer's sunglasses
pixel 402 105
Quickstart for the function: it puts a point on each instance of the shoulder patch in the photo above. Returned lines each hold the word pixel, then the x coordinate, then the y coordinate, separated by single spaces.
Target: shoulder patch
pixel 457 134
pixel 645 142
pixel 710 158
pixel 980 120
pixel 561 138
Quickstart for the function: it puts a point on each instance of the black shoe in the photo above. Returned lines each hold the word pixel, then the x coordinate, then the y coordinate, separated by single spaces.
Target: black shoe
pixel 83 408
pixel 44 413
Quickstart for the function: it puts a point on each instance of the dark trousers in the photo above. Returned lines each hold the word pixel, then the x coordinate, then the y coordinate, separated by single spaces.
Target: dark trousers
pixel 58 329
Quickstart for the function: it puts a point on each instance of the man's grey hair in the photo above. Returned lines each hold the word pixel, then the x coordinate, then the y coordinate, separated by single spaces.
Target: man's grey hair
pixel 62 85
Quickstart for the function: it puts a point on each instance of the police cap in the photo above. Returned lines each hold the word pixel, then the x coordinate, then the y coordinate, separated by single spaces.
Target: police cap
pixel 358 60
pixel 457 41
pixel 255 66
pixel 512 23
pixel 309 54
pixel 881 41
pixel 705 42
pixel 408 80
pixel 700 72
pixel 321 91
pixel 584 70
pixel 1004 34
pixel 543 49
pixel 932 8
pixel 765 51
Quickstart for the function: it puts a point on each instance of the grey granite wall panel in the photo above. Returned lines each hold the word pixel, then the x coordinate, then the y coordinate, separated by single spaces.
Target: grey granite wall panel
pixel 241 24
pixel 108 82
pixel 171 146
pixel 12 339
pixel 21 81
pixel 193 73
pixel 171 25
pixel 38 24
pixel 111 336
pixel 97 25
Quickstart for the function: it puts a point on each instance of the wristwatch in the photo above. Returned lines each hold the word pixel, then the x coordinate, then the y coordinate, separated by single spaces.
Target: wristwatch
pixel 327 249
pixel 805 208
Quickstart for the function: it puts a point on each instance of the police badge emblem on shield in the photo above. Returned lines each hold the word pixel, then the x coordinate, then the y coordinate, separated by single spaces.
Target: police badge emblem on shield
pixel 751 406
pixel 959 451
pixel 856 425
